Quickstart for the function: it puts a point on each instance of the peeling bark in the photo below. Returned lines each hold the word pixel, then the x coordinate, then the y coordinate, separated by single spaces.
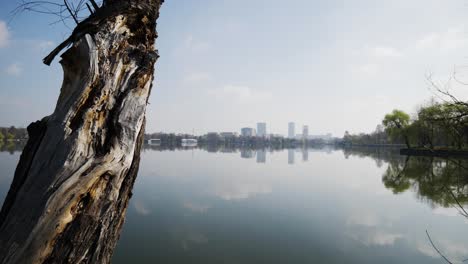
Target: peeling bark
pixel 71 188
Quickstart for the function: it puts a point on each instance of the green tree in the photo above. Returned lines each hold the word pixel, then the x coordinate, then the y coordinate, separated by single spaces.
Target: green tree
pixel 2 137
pixel 396 125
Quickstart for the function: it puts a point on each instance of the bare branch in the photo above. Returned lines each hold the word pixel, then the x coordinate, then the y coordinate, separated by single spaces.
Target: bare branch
pixel 438 251
pixel 71 13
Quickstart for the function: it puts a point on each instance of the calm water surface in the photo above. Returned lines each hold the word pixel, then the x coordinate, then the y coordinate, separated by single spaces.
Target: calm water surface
pixel 289 206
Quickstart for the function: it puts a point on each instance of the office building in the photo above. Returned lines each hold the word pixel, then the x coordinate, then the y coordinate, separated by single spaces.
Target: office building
pixel 248 132
pixel 291 130
pixel 261 130
pixel 305 132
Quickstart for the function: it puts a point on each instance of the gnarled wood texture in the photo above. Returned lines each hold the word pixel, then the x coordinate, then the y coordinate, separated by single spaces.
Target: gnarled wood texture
pixel 72 185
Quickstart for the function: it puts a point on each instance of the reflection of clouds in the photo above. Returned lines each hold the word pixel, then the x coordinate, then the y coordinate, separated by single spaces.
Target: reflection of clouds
pixel 370 219
pixel 240 192
pixel 363 219
pixel 426 249
pixel 366 227
pixel 189 238
pixel 451 249
pixel 445 211
pixel 192 239
pixel 141 208
pixel 196 207
pixel 376 238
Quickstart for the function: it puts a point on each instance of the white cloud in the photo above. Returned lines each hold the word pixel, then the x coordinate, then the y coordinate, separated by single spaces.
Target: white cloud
pixel 367 69
pixel 385 52
pixel 375 57
pixel 453 39
pixel 14 69
pixel 198 77
pixel 196 45
pixel 4 34
pixel 45 44
pixel 241 94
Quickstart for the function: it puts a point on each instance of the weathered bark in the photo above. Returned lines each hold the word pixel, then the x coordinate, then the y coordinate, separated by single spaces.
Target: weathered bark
pixel 71 188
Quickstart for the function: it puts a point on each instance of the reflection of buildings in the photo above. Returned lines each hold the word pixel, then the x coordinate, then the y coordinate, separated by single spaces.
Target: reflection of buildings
pixel 248 132
pixel 290 156
pixel 305 154
pixel 291 130
pixel 261 130
pixel 261 156
pixel 247 153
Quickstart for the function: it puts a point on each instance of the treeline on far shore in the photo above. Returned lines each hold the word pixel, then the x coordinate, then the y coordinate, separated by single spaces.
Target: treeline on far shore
pixel 234 140
pixel 12 134
pixel 435 126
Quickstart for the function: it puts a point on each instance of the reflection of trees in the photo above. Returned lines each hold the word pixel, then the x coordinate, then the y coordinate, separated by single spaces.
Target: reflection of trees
pixel 438 181
pixel 378 154
pixel 232 149
pixel 11 146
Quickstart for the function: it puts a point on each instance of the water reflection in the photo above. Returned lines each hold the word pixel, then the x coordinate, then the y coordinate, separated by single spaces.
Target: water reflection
pixel 437 181
pixel 12 146
pixel 261 156
pixel 291 156
pixel 305 154
pixel 247 153
pixel 217 204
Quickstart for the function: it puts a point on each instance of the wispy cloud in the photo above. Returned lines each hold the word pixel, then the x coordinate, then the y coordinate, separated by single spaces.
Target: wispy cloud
pixel 241 94
pixel 197 77
pixel 385 52
pixel 367 69
pixel 196 45
pixel 4 34
pixel 14 69
pixel 452 39
pixel 45 45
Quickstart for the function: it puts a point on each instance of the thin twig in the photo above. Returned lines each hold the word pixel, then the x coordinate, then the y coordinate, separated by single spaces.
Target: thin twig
pixel 71 13
pixel 438 251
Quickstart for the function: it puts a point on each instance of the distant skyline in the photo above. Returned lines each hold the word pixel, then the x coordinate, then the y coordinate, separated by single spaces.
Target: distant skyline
pixel 332 65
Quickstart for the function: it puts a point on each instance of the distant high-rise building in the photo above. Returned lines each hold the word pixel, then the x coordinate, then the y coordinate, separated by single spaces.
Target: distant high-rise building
pixel 291 130
pixel 305 132
pixel 261 130
pixel 248 132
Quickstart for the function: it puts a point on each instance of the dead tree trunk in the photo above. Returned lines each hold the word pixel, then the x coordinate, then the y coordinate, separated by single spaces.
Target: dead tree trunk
pixel 71 188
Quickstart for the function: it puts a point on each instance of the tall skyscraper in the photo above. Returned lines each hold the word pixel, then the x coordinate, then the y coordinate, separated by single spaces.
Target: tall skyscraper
pixel 291 130
pixel 261 130
pixel 305 132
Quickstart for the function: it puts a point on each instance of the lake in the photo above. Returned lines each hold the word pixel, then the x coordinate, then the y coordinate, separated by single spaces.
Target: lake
pixel 226 205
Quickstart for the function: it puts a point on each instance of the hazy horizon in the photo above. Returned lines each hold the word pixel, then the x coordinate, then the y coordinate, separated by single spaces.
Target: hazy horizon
pixel 333 65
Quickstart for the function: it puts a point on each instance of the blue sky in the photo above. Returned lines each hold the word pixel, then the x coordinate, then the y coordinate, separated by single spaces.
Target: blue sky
pixel 334 65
